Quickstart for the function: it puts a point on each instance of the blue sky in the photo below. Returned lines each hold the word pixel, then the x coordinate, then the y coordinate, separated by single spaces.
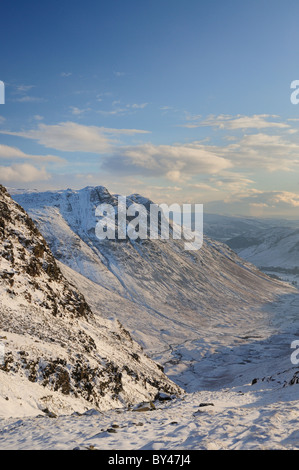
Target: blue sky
pixel 181 101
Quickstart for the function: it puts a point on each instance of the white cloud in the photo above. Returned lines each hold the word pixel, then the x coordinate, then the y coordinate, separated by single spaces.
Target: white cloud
pixel 73 137
pixel 286 197
pixel 77 111
pixel 257 203
pixel 203 187
pixel 138 106
pixel 23 88
pixel 238 122
pixel 29 99
pixel 232 183
pixel 271 152
pixel 118 108
pixel 173 162
pixel 113 112
pixel 23 173
pixel 7 152
pixel 259 151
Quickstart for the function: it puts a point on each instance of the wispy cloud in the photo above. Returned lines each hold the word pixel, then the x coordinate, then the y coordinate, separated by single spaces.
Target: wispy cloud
pixel 29 99
pixel 118 108
pixel 23 88
pixel 77 111
pixel 113 112
pixel 138 105
pixel 73 137
pixel 238 122
pixel 20 93
pixel 168 109
pixel 7 152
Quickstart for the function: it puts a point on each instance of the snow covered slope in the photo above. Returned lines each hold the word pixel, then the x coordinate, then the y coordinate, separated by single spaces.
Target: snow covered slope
pixel 274 250
pixel 170 299
pixel 270 244
pixel 59 355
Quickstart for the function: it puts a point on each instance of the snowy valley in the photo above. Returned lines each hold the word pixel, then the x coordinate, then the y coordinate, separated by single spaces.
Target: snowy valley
pixel 77 311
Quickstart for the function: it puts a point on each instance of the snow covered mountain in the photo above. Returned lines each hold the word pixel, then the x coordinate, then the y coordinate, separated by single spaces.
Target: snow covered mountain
pixel 175 302
pixel 270 244
pixel 223 227
pixel 274 250
pixel 60 356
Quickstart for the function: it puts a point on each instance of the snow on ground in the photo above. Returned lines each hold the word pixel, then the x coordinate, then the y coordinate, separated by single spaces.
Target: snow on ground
pixel 237 418
pixel 245 399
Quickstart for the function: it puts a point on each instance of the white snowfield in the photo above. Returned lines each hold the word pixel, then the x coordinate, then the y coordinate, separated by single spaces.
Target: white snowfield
pixel 221 328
